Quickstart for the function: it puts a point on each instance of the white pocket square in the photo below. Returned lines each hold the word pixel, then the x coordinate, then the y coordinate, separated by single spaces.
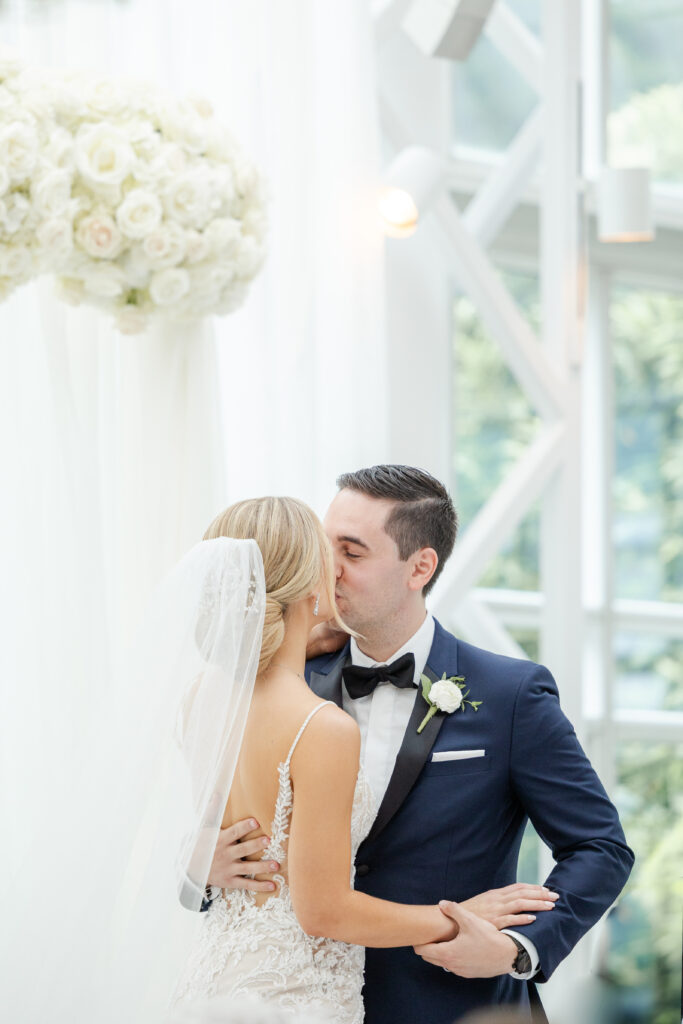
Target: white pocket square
pixel 456 755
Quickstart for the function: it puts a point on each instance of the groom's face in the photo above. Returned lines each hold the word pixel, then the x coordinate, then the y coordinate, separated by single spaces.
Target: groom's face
pixel 371 580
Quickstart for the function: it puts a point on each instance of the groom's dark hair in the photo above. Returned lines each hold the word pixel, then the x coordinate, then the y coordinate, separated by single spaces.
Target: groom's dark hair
pixel 423 515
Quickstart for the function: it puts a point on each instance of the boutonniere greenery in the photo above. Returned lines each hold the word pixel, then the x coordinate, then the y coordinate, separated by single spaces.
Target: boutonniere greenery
pixel 445 695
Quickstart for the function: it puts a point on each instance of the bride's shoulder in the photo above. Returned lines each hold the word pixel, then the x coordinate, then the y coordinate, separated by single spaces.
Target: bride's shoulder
pixel 331 734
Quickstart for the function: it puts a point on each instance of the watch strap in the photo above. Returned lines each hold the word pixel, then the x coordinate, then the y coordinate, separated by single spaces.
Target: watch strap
pixel 522 962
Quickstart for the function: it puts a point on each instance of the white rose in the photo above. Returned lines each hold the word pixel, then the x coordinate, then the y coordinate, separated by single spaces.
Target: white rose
pixel 55 236
pixel 18 149
pixel 51 193
pixel 15 210
pixel 10 64
pixel 106 97
pixel 136 268
pixel 210 280
pixel 130 320
pixel 70 290
pixel 15 261
pixel 104 280
pixel 187 199
pixel 139 213
pixel 38 101
pixel 222 186
pixel 446 695
pixel 202 106
pixel 181 123
pixel 223 235
pixel 4 179
pixel 59 149
pixel 103 154
pixel 197 247
pixel 99 236
pixel 164 247
pixel 8 102
pixel 250 258
pixel 169 286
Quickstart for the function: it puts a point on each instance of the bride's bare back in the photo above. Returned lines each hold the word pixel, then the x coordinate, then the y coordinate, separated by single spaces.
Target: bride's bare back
pixel 276 714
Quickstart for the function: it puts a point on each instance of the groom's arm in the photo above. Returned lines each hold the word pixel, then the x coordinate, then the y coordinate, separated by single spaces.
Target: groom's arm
pixel 572 813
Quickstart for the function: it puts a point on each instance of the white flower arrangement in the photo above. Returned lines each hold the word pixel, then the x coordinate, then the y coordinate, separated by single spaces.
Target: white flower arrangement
pixel 446 695
pixel 141 204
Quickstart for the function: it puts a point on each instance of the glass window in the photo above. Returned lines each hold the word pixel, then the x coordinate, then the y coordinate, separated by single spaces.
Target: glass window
pixel 642 958
pixel 647 342
pixel 649 671
pixel 646 86
pixel 491 100
pixel 494 423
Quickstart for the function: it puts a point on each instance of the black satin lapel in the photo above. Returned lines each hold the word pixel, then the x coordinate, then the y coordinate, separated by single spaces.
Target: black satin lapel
pixel 329 686
pixel 415 750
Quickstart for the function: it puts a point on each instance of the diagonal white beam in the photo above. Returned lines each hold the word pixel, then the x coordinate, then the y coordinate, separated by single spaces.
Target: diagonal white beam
pixel 500 313
pixel 516 43
pixel 500 516
pixel 387 18
pixel 495 200
pixel 393 123
pixel 480 626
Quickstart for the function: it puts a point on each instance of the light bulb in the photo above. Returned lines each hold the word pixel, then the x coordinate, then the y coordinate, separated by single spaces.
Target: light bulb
pixel 398 212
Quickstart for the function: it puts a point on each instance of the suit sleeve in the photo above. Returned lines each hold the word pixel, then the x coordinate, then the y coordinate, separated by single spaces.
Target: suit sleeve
pixel 572 813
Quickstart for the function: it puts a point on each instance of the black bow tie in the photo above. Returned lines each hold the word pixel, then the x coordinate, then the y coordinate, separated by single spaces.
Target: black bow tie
pixel 362 681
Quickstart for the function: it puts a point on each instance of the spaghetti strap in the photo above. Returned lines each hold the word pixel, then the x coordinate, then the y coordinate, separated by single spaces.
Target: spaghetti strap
pixel 305 723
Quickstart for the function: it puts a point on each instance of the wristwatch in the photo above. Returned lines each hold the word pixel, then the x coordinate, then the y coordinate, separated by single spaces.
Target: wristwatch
pixel 522 962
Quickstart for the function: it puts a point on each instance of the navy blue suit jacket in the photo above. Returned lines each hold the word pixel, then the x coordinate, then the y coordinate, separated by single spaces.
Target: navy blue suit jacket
pixel 452 829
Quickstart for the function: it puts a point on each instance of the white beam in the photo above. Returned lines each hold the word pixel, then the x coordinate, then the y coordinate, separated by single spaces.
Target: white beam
pixel 478 625
pixel 499 517
pixel 500 314
pixel 500 193
pixel 387 18
pixel 516 43
pixel 595 64
pixel 658 726
pixel 522 608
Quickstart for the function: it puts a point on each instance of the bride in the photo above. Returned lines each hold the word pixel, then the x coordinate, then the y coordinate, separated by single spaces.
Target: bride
pixel 300 947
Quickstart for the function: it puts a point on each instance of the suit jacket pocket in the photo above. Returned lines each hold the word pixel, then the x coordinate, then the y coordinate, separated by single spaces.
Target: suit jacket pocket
pixel 459 766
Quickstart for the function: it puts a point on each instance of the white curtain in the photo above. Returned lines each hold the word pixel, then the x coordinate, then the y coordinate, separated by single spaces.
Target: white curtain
pixel 115 452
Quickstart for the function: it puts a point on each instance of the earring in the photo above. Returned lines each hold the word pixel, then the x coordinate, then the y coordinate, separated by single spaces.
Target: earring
pixel 316 607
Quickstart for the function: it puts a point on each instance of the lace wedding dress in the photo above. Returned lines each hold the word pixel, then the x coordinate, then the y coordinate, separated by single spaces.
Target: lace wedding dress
pixel 249 950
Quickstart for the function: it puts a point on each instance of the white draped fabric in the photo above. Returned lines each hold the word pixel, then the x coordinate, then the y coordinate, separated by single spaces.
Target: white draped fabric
pixel 115 452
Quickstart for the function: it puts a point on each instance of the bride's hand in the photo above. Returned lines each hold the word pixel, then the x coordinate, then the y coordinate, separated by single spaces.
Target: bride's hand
pixel 229 870
pixel 324 639
pixel 513 905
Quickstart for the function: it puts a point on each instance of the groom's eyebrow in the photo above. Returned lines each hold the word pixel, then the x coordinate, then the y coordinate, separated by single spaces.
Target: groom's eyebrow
pixel 354 540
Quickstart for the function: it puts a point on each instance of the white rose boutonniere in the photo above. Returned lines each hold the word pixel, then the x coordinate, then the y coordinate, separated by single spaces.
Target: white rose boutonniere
pixel 445 695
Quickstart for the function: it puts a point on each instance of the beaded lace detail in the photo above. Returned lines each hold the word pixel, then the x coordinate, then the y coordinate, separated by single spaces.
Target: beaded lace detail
pixel 246 949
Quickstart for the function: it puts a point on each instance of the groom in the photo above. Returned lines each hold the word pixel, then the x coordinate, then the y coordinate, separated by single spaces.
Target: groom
pixel 453 797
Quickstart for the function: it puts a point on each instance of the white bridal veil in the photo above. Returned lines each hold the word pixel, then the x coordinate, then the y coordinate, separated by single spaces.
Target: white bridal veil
pixel 101 922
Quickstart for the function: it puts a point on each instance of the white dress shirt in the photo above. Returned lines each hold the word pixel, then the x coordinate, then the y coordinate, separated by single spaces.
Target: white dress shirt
pixel 383 717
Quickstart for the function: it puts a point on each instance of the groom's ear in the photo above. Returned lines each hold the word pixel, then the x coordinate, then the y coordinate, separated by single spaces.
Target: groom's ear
pixel 424 563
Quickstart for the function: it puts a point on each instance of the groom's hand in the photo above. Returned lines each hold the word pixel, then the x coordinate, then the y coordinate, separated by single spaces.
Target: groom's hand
pixel 479 950
pixel 325 639
pixel 229 870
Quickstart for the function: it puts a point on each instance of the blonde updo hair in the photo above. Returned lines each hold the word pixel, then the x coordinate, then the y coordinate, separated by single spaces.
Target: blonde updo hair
pixel 297 558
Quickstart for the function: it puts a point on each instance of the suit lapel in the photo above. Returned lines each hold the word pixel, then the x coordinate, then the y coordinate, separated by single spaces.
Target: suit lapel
pixel 329 685
pixel 416 747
